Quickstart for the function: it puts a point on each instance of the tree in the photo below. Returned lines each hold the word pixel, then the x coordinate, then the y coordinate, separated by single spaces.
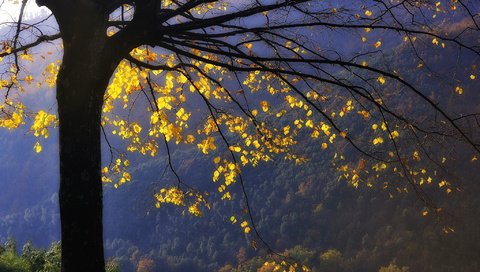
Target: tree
pixel 394 268
pixel 35 257
pixel 53 258
pixel 10 261
pixel 146 265
pixel 113 265
pixel 236 60
pixel 332 260
pixel 11 245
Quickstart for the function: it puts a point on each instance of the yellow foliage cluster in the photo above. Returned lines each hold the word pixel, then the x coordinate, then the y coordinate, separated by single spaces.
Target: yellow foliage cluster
pixel 12 115
pixel 50 74
pixel 42 121
pixel 258 134
pixel 226 171
pixel 117 172
pixel 283 266
pixel 173 195
pixel 177 197
pixel 200 9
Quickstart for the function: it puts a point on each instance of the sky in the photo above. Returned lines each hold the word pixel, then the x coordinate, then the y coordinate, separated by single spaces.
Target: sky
pixel 10 9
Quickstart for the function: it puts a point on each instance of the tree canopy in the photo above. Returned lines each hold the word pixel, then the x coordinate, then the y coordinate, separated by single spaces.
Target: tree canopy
pixel 245 82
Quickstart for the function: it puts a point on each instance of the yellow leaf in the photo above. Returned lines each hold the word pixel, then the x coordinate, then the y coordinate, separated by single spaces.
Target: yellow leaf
pixel 38 147
pixel 378 140
pixel 244 160
pixel 235 148
pixel 416 156
pixel 190 138
pixel 364 113
pixel 459 90
pixel 384 126
pixel 381 80
pixel 207 144
pixel 136 128
pixel 29 79
pixel 264 105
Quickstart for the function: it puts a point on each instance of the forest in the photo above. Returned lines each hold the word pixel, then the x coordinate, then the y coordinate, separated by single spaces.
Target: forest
pixel 193 135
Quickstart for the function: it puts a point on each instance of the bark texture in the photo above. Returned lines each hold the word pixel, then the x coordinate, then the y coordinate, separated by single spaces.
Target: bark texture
pixel 88 63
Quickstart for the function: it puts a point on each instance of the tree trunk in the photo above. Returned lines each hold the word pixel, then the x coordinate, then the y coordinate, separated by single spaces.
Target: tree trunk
pixel 80 194
pixel 89 60
pixel 81 83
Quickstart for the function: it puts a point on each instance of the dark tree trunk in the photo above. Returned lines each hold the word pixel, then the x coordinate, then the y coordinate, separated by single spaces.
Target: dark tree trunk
pixel 80 179
pixel 87 66
pixel 89 60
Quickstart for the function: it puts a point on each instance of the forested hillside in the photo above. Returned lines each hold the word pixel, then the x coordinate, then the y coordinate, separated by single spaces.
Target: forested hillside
pixel 308 213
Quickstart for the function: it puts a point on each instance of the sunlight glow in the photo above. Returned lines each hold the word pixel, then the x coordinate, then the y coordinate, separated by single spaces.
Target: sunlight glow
pixel 10 9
